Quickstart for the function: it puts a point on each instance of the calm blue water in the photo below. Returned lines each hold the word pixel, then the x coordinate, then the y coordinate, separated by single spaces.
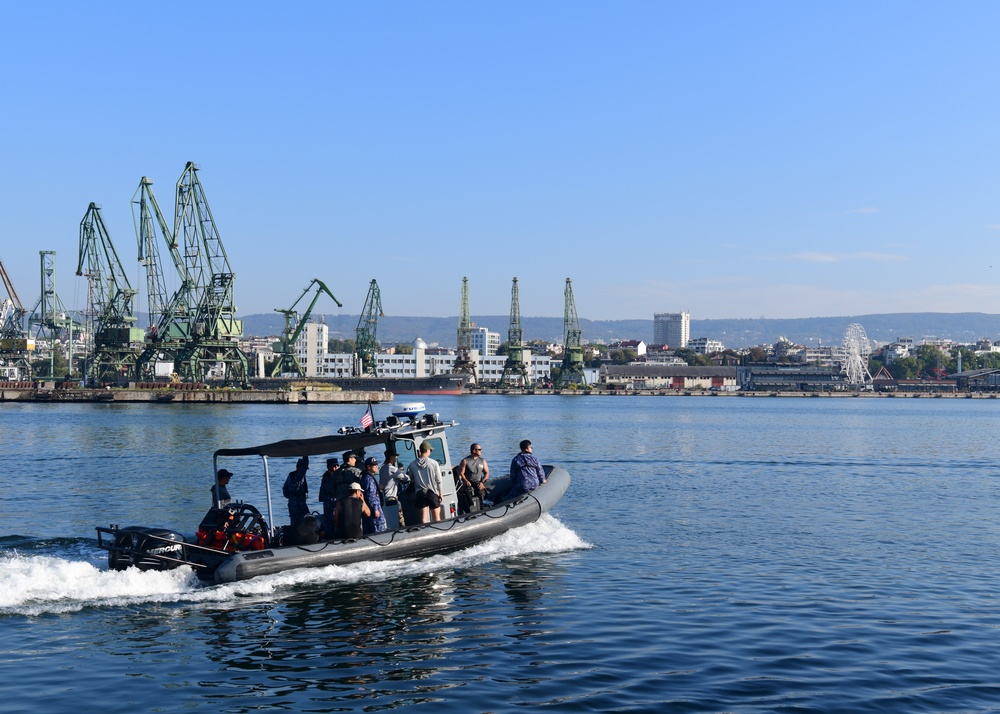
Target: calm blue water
pixel 711 555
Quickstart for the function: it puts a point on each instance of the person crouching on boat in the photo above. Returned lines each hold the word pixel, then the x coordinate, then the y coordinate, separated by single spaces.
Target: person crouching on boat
pixel 351 511
pixel 375 522
pixel 526 474
pixel 426 475
pixel 296 490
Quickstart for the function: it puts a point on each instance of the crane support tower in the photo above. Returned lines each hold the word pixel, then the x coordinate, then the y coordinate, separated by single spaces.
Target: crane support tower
pixel 571 372
pixel 515 370
pixel 463 358
pixel 366 334
pixel 114 342
pixel 49 316
pixel 284 349
pixel 15 347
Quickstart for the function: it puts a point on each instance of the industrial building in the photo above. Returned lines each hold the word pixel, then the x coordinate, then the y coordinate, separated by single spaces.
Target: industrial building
pixel 639 376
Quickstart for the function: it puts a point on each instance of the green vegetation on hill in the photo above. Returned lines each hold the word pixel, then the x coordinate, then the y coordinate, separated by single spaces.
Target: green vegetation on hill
pixel 734 333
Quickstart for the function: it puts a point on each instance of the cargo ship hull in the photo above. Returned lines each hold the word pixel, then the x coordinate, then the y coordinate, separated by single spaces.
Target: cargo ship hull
pixel 437 384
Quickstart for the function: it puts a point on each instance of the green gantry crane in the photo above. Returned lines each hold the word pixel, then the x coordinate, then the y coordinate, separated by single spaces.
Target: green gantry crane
pixel 463 357
pixel 196 329
pixel 365 335
pixel 284 349
pixel 571 372
pixel 515 370
pixel 50 315
pixel 115 342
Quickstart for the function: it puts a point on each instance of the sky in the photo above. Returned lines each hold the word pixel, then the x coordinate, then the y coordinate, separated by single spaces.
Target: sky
pixel 730 159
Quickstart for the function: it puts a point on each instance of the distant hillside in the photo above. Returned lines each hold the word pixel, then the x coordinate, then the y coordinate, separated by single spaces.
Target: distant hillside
pixel 736 333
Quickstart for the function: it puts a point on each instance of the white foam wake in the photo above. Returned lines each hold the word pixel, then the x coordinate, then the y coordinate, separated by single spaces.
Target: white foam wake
pixel 35 585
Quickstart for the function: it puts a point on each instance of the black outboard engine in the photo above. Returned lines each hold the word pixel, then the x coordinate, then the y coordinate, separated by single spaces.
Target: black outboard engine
pixel 146 549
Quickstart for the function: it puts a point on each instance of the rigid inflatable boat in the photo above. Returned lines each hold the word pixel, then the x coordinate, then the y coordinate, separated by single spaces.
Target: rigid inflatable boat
pixel 235 541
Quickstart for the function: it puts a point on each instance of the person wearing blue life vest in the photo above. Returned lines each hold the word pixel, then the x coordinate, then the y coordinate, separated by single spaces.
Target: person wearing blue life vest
pixel 375 522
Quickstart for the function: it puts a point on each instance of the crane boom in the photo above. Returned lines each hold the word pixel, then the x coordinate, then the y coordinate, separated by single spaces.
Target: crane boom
pixel 9 287
pixel 12 321
pixel 284 348
pixel 169 316
pixel 111 295
pixel 208 266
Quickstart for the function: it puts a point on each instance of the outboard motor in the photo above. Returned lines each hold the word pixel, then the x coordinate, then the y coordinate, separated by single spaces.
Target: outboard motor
pixel 147 549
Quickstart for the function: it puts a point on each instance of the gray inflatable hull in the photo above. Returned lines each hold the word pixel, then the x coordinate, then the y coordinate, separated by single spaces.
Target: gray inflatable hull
pixel 415 542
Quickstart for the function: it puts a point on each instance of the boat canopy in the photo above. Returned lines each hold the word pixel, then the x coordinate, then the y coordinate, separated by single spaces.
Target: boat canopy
pixel 311 447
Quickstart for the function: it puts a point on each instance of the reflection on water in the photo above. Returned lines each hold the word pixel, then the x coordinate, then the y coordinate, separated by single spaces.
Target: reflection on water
pixel 385 642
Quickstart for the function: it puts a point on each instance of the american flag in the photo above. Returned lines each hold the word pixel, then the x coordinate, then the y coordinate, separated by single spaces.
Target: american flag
pixel 368 419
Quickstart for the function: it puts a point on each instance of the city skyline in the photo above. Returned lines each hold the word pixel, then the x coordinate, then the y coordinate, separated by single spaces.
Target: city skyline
pixel 729 160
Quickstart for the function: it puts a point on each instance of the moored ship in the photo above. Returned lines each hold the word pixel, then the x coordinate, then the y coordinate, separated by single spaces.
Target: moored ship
pixel 436 384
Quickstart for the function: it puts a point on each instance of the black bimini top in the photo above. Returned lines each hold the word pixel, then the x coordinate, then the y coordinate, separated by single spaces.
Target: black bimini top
pixel 312 447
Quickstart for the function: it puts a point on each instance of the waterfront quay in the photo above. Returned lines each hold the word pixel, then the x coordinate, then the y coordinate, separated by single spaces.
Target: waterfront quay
pixel 758 394
pixel 48 392
pixel 312 396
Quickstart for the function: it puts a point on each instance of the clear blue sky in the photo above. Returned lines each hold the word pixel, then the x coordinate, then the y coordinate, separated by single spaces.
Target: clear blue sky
pixel 732 159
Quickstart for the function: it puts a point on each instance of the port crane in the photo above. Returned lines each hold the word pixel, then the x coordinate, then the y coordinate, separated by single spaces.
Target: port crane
pixel 49 316
pixel 115 341
pixel 284 349
pixel 215 327
pixel 463 359
pixel 365 335
pixel 14 363
pixel 571 372
pixel 515 370
pixel 169 317
pixel 196 329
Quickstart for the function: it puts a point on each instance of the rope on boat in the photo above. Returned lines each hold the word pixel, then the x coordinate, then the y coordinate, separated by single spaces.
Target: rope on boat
pixel 443 526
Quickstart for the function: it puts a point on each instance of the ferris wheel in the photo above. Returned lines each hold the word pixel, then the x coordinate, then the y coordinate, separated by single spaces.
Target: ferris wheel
pixel 857 350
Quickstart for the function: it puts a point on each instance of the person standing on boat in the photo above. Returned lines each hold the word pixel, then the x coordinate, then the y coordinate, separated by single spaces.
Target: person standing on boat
pixel 328 494
pixel 220 494
pixel 426 475
pixel 351 511
pixel 392 480
pixel 526 474
pixel 472 474
pixel 348 474
pixel 296 490
pixel 374 523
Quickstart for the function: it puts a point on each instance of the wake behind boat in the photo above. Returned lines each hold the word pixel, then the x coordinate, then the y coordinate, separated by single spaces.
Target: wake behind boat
pixel 236 541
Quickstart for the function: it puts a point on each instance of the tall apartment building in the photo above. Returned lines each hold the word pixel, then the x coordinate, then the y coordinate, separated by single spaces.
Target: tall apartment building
pixel 672 329
pixel 311 347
